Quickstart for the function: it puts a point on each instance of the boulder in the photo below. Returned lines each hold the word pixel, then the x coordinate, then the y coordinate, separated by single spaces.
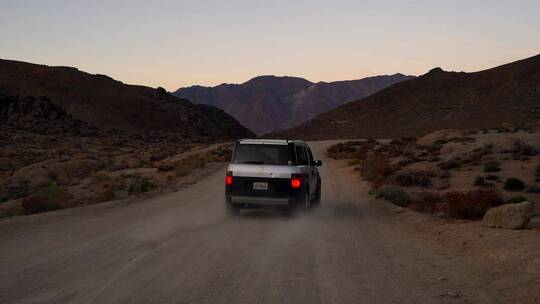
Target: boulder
pixel 510 216
pixel 534 223
pixel 440 136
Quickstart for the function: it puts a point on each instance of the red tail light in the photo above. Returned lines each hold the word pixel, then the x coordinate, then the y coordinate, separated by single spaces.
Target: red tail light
pixel 228 179
pixel 296 182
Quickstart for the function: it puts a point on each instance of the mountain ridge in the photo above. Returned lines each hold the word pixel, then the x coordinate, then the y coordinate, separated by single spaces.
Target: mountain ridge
pixel 270 102
pixel 509 93
pixel 109 104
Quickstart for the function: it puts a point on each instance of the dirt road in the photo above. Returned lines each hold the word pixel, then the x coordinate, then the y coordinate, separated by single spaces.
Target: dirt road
pixel 182 248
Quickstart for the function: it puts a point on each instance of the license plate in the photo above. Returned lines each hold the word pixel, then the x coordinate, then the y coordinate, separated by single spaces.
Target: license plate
pixel 260 186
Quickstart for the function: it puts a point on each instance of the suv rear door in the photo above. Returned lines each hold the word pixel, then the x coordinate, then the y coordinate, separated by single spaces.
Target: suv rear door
pixel 304 165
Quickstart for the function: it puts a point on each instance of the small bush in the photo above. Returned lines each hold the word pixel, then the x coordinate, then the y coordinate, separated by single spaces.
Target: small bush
pixel 47 196
pixel 449 164
pixel 533 189
pixel 38 204
pixel 445 174
pixel 353 162
pixel 101 177
pixel 516 200
pixel 514 184
pixel 429 202
pixel 479 181
pixel 407 179
pixel 487 148
pixel 492 177
pixel 141 185
pixel 376 170
pixel 395 195
pixel 492 167
pixel 470 204
pixel 524 149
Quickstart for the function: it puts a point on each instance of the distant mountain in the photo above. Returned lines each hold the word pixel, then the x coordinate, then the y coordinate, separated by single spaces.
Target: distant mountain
pixel 107 104
pixel 437 100
pixel 268 103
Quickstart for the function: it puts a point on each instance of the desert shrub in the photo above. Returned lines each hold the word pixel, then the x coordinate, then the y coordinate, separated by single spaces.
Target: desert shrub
pixel 492 166
pixel 376 170
pixel 221 154
pixel 479 181
pixel 409 159
pixel 38 204
pixel 516 200
pixel 452 163
pixel 533 189
pixel 101 177
pixel 165 167
pixel 445 174
pixel 429 202
pixel 351 143
pixel 141 185
pixel 470 204
pixel 395 195
pixel 523 149
pixel 492 177
pixel 353 162
pixel 47 196
pixel 487 149
pixel 413 178
pixel 514 184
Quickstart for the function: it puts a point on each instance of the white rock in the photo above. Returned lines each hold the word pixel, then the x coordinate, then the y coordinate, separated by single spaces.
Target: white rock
pixel 510 216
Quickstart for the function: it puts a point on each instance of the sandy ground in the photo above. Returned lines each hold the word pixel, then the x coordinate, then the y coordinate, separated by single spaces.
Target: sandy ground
pixel 182 248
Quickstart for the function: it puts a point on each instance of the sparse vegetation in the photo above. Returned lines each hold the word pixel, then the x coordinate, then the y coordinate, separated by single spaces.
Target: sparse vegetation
pixel 450 164
pixel 479 181
pixel 376 170
pixel 492 177
pixel 492 167
pixel 413 178
pixel 395 195
pixel 516 200
pixel 141 186
pixel 514 184
pixel 471 204
pixel 353 162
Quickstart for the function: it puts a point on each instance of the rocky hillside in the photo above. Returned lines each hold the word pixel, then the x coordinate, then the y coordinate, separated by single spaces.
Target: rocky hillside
pixel 108 104
pixel 508 94
pixel 268 103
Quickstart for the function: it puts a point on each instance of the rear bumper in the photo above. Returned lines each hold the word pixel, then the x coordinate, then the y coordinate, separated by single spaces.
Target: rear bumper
pixel 260 201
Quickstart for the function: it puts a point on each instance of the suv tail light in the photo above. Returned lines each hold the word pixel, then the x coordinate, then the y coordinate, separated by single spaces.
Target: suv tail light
pixel 296 182
pixel 228 178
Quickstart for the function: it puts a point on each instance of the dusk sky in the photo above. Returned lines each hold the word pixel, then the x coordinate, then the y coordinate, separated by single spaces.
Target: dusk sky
pixel 181 43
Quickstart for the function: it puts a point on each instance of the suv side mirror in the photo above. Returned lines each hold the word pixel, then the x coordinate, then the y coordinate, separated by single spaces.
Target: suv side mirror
pixel 317 163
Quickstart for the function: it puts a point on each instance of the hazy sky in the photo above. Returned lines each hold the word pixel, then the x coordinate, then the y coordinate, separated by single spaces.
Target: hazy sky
pixel 180 43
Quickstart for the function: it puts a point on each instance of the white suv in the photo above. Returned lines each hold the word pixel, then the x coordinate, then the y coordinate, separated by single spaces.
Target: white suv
pixel 272 173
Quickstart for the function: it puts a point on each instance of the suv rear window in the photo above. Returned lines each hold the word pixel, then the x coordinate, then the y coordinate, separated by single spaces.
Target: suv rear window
pixel 261 154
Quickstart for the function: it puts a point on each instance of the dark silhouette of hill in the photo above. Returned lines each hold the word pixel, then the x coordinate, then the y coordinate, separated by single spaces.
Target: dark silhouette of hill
pixel 437 100
pixel 107 104
pixel 268 103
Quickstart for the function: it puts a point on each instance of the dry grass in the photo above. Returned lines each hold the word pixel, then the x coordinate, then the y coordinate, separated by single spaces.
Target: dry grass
pixel 376 170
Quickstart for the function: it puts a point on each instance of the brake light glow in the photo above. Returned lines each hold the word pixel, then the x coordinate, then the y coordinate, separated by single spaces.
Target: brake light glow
pixel 296 182
pixel 228 179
